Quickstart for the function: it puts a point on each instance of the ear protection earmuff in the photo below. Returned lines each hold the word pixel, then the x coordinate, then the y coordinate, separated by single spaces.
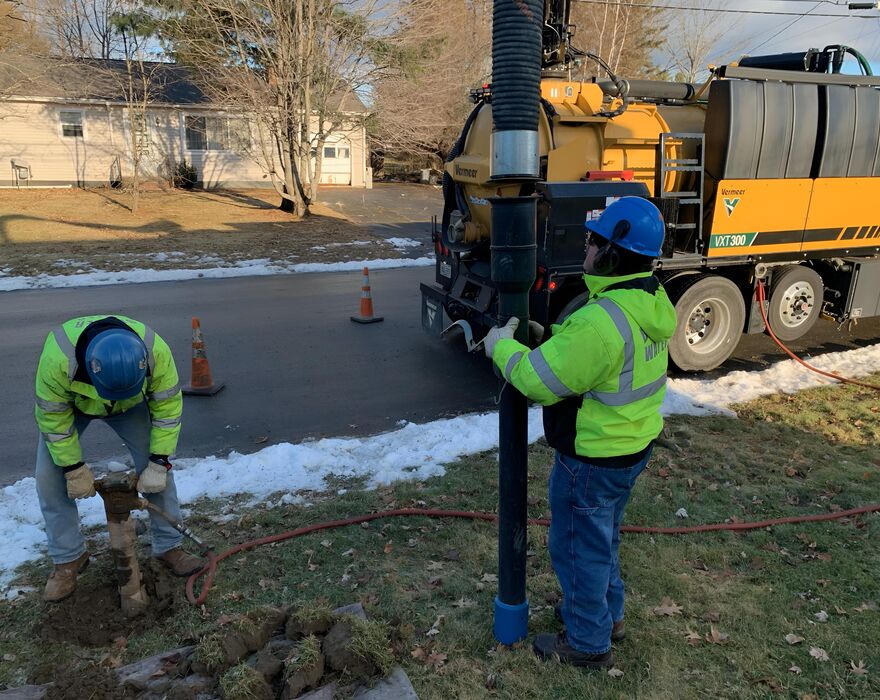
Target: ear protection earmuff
pixel 607 257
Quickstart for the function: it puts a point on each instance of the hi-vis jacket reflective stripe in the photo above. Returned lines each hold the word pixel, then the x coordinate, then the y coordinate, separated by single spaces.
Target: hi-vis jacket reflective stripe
pixel 60 390
pixel 602 375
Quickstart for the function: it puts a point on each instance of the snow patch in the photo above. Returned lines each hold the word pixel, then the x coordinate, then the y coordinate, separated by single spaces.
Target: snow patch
pixel 412 452
pixel 242 268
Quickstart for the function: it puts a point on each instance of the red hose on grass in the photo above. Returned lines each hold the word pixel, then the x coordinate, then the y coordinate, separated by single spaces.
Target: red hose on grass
pixel 831 375
pixel 210 570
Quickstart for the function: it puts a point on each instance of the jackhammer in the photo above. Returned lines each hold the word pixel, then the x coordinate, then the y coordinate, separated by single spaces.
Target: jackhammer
pixel 119 492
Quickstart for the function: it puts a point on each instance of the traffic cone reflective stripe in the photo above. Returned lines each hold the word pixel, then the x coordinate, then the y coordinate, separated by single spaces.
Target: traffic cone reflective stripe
pixel 366 303
pixel 201 383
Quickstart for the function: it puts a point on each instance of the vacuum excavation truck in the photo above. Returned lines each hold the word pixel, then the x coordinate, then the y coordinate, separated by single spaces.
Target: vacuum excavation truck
pixel 769 171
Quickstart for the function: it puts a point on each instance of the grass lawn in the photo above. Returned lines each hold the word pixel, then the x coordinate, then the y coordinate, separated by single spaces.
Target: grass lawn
pixel 731 599
pixel 57 230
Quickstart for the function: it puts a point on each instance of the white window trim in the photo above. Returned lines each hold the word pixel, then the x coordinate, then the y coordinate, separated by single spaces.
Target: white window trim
pixel 82 123
pixel 226 119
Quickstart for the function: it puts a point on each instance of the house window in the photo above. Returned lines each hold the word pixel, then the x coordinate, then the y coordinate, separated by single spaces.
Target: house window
pixel 71 123
pixel 217 134
pixel 335 152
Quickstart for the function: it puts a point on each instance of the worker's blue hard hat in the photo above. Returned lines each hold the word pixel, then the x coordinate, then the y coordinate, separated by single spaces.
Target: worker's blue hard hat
pixel 631 223
pixel 116 361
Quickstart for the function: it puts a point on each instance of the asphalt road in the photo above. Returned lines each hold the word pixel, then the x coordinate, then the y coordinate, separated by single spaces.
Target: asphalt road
pixel 294 365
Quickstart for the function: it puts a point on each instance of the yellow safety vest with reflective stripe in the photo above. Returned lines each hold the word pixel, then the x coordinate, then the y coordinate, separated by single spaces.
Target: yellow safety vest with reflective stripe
pixel 60 390
pixel 602 375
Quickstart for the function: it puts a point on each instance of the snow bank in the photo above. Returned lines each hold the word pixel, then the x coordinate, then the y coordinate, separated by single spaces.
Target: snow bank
pixel 410 452
pixel 243 268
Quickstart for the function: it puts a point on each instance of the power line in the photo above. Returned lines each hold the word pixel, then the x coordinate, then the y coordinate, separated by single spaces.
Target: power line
pixel 778 13
pixel 785 28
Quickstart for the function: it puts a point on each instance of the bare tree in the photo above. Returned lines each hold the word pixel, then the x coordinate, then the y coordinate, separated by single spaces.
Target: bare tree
pixel 19 40
pixel 141 83
pixel 622 33
pixel 84 28
pixel 421 104
pixel 693 40
pixel 288 65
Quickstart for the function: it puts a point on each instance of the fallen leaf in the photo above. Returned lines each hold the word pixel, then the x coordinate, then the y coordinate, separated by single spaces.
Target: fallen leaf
pixel 348 553
pixel 839 610
pixel 821 616
pixel 693 638
pixel 860 669
pixel 387 548
pixel 668 607
pixel 326 543
pixel 663 473
pixel 464 603
pixel 819 654
pixel 489 578
pixel 615 673
pixel 260 440
pixel 792 638
pixel 435 628
pixel 711 616
pixel 715 636
pixel 435 659
pixel 681 513
pixel 712 487
pixel 434 565
pixel 865 607
pixel 419 654
pixel 9 657
pixel 795 670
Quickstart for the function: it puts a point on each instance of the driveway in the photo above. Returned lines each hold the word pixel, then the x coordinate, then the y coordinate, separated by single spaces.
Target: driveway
pixel 390 210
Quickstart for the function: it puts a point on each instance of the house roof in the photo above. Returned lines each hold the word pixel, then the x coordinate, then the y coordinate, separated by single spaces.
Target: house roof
pixel 106 80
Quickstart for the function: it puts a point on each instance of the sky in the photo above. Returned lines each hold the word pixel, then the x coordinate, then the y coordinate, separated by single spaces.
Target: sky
pixel 755 34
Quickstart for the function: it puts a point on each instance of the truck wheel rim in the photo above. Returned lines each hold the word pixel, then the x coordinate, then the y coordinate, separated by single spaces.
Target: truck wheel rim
pixel 797 303
pixel 707 325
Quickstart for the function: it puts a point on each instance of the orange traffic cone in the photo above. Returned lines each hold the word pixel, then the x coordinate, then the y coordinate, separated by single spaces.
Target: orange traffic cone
pixel 201 384
pixel 366 303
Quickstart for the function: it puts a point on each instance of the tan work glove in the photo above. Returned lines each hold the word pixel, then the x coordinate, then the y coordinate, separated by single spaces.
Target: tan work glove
pixel 80 482
pixel 496 334
pixel 154 478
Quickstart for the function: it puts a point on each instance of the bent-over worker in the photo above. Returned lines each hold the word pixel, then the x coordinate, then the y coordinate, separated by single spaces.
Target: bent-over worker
pixel 119 371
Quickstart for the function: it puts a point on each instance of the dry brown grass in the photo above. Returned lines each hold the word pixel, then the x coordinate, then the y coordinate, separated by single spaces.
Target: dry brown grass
pixel 60 230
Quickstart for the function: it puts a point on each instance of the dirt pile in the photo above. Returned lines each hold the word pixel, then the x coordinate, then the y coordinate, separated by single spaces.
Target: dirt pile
pixel 92 617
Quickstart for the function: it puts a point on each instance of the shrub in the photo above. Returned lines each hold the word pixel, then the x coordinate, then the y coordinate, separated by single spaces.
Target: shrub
pixel 184 176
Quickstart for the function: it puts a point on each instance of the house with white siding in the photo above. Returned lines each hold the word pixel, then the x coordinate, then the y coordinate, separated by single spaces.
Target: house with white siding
pixel 70 125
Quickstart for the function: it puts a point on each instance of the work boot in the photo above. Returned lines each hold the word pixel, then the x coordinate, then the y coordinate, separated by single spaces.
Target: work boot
pixel 62 580
pixel 618 632
pixel 556 646
pixel 180 562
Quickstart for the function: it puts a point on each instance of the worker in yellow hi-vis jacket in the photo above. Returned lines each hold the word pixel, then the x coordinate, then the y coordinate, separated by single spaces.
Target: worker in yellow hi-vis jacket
pixel 117 370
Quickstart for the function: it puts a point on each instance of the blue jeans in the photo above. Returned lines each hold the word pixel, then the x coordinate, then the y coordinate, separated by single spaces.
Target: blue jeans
pixel 586 507
pixel 66 542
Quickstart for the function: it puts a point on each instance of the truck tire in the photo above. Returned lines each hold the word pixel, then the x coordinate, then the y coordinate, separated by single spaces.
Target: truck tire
pixel 795 301
pixel 711 314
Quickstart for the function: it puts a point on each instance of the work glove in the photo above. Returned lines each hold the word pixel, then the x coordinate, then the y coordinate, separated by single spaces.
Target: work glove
pixel 536 330
pixel 80 482
pixel 496 334
pixel 154 478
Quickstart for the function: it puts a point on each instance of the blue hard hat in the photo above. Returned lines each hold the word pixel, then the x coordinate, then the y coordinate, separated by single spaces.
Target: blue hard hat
pixel 116 361
pixel 631 223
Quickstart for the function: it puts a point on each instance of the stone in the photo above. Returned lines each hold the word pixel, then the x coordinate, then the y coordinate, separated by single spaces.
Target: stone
pixel 325 692
pixel 338 654
pixel 27 692
pixel 355 609
pixel 194 687
pixel 266 663
pixel 297 629
pixel 304 678
pixel 395 686
pixel 143 674
pixel 281 648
